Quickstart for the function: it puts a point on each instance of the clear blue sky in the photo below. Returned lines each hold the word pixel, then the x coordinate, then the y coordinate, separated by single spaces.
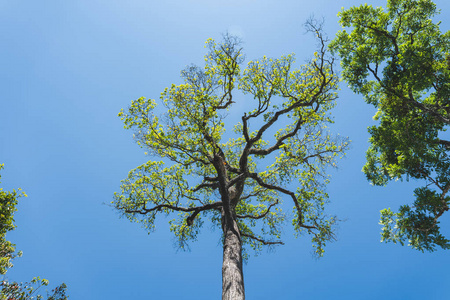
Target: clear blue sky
pixel 66 70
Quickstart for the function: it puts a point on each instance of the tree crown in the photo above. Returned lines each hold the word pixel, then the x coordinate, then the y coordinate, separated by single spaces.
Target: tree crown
pixel 281 142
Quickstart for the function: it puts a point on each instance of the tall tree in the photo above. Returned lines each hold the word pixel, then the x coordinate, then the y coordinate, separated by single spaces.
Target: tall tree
pixel 14 290
pixel 399 60
pixel 280 149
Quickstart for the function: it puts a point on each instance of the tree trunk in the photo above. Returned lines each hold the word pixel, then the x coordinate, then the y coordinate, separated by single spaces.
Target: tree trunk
pixel 232 275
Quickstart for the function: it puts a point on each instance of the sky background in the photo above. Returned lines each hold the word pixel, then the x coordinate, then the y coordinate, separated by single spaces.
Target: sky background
pixel 66 70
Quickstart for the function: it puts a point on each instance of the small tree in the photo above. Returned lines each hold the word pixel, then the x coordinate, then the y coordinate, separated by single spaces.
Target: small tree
pixel 15 290
pixel 399 61
pixel 239 183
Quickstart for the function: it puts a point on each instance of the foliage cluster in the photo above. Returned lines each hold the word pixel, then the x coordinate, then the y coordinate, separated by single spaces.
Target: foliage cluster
pixel 399 60
pixel 14 290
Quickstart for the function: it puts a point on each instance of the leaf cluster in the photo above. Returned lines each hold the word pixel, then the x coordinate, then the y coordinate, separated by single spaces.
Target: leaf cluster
pixel 14 290
pixel 30 290
pixel 398 59
pixel 8 202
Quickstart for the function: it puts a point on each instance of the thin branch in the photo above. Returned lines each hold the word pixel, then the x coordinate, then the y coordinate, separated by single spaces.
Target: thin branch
pixel 279 142
pixel 190 219
pixel 287 192
pixel 264 242
pixel 280 189
pixel 159 207
pixel 250 195
pixel 445 143
pixel 258 216
pixel 319 154
pixel 211 185
pixel 409 99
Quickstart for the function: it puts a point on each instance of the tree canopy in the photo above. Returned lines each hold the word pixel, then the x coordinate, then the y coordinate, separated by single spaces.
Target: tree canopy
pixel 399 60
pixel 15 290
pixel 8 202
pixel 278 150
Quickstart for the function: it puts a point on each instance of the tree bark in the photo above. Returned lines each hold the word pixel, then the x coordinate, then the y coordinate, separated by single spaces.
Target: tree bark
pixel 232 275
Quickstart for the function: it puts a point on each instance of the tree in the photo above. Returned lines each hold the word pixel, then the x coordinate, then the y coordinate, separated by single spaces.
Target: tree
pixel 15 290
pixel 399 61
pixel 8 202
pixel 29 290
pixel 237 180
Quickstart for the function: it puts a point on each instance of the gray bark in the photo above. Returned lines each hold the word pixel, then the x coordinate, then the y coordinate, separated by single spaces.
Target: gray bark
pixel 232 275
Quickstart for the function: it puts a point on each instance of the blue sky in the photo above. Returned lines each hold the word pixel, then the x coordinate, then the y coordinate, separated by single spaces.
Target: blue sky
pixel 66 70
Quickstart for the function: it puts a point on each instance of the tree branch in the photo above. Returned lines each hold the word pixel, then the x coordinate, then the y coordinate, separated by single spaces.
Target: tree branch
pixel 264 242
pixel 159 207
pixel 236 179
pixel 410 99
pixel 190 219
pixel 279 142
pixel 282 190
pixel 211 185
pixel 258 216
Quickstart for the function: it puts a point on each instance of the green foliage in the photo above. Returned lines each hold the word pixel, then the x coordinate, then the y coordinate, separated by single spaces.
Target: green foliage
pixel 29 290
pixel 8 202
pixel 282 143
pixel 15 290
pixel 399 60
